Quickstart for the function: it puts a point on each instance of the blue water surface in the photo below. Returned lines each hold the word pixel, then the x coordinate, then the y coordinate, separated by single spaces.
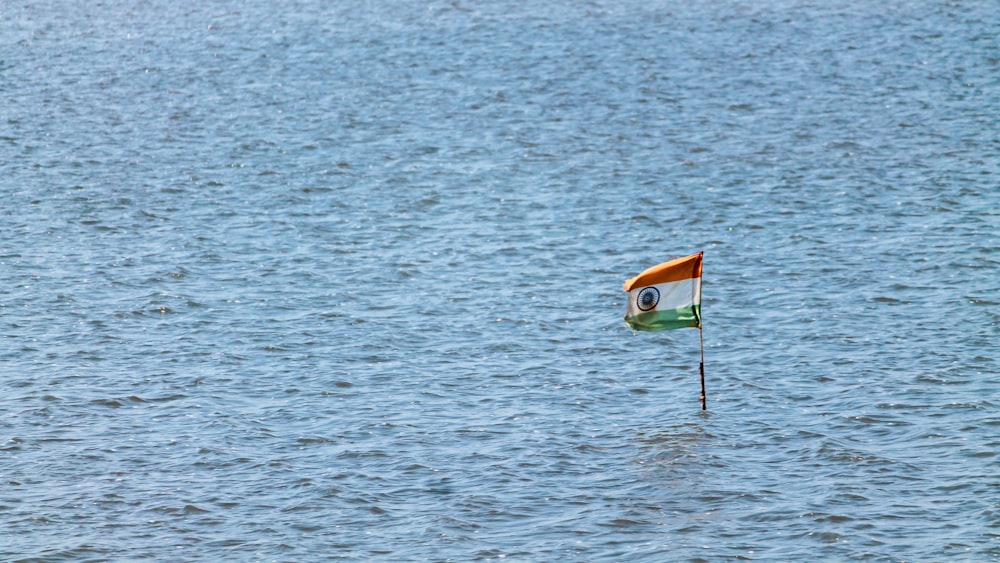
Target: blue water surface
pixel 309 280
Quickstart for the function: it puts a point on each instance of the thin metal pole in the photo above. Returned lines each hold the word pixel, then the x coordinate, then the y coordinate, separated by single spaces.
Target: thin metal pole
pixel 701 344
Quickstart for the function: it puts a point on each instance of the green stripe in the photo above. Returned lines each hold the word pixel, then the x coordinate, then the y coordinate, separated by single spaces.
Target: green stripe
pixel 684 317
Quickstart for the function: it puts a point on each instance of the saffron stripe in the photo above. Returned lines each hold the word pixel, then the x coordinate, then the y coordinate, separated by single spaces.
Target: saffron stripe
pixel 674 270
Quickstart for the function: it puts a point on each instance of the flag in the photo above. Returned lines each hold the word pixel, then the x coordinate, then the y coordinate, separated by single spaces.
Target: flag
pixel 666 296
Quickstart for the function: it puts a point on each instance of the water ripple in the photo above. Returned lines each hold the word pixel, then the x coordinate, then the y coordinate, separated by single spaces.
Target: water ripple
pixel 306 280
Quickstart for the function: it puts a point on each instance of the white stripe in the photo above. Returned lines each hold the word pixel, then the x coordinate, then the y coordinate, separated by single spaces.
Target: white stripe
pixel 673 295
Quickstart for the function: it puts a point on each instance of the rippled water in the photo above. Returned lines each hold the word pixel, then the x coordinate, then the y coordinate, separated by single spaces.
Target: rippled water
pixel 342 280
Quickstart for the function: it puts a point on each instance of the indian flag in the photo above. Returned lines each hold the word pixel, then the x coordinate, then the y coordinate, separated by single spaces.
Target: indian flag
pixel 666 296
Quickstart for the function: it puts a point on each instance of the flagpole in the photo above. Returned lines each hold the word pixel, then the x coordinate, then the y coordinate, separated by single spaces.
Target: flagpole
pixel 701 345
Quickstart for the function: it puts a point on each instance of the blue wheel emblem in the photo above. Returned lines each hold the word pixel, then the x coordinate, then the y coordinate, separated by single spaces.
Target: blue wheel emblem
pixel 647 298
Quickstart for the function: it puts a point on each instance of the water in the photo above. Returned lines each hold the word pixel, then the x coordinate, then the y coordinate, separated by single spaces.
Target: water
pixel 290 281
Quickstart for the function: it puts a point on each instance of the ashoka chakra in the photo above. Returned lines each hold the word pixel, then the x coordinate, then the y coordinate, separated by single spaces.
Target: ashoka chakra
pixel 647 298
